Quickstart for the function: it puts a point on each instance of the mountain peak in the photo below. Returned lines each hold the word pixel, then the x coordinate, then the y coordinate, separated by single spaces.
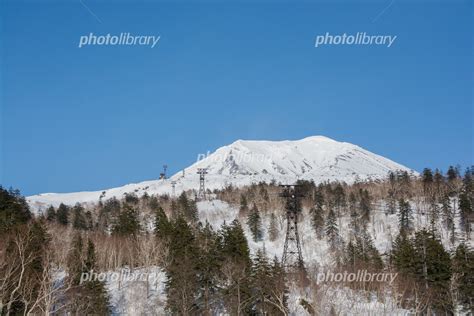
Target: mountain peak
pixel 316 158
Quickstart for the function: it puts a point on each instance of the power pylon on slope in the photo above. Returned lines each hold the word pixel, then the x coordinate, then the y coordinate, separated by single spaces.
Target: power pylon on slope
pixel 202 189
pixel 173 186
pixel 292 257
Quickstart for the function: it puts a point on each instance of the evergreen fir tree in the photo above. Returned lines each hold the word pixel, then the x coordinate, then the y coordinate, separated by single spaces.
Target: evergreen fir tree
pixel 97 299
pixel 367 253
pixel 236 289
pixel 51 214
pixel 280 289
pixel 261 283
pixel 316 213
pixel 332 231
pixel 452 174
pixel 62 214
pixel 13 210
pixel 244 208
pixel 89 220
pixel 209 265
pixel 463 272
pixel 273 228
pixel 163 227
pixel 79 221
pixel 182 283
pixel 404 215
pixel 433 268
pixel 351 255
pixel 339 198
pixel 254 222
pixel 187 208
pixel 365 205
pixel 25 252
pixel 403 254
pixel 128 223
pixel 427 179
pixel 465 209
pixel 75 260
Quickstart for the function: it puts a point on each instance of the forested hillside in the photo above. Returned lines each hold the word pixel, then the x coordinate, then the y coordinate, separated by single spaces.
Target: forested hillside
pixel 222 255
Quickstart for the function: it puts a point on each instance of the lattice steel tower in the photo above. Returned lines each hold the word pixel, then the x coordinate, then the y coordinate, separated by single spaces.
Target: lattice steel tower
pixel 173 186
pixel 202 189
pixel 292 257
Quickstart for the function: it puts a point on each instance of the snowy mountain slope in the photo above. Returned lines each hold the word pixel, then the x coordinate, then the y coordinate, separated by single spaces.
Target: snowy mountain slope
pixel 315 158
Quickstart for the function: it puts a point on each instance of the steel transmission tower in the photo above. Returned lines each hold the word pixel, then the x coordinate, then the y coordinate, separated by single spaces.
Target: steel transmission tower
pixel 173 186
pixel 292 258
pixel 202 189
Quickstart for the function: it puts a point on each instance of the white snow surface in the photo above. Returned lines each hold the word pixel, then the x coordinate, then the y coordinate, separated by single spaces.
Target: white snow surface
pixel 316 158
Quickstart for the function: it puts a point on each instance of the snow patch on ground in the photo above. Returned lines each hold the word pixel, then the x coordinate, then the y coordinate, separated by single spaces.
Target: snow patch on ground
pixel 135 297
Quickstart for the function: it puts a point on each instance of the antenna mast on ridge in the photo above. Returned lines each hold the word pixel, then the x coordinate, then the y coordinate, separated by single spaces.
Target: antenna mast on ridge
pixel 163 174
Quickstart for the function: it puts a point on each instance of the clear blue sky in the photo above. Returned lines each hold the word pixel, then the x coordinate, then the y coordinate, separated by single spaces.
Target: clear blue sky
pixel 97 117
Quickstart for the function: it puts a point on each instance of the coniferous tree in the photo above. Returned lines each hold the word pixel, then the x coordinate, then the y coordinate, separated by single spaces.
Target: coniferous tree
pixel 162 225
pixel 316 213
pixel 366 251
pixel 404 215
pixel 236 289
pixel 463 273
pixel 263 286
pixel 89 220
pixel 78 221
pixel 433 215
pixel 254 222
pixel 433 268
pixel 26 248
pixel 87 297
pixel 94 294
pixel 351 255
pixel 332 231
pixel 280 289
pixel 339 198
pixel 153 203
pixel 244 208
pixel 353 211
pixel 466 201
pixel 75 260
pixel 273 228
pixel 392 193
pixel 51 214
pixel 128 223
pixel 403 254
pixel 438 181
pixel 209 265
pixel 62 214
pixel 270 293
pixel 174 210
pixel 427 179
pixel 452 174
pixel 182 283
pixel 187 208
pixel 13 209
pixel 365 205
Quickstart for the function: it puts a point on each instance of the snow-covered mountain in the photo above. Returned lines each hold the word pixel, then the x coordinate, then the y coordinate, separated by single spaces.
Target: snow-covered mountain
pixel 243 162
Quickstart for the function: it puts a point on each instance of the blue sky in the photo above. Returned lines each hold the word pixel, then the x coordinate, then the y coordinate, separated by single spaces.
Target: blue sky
pixel 102 116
